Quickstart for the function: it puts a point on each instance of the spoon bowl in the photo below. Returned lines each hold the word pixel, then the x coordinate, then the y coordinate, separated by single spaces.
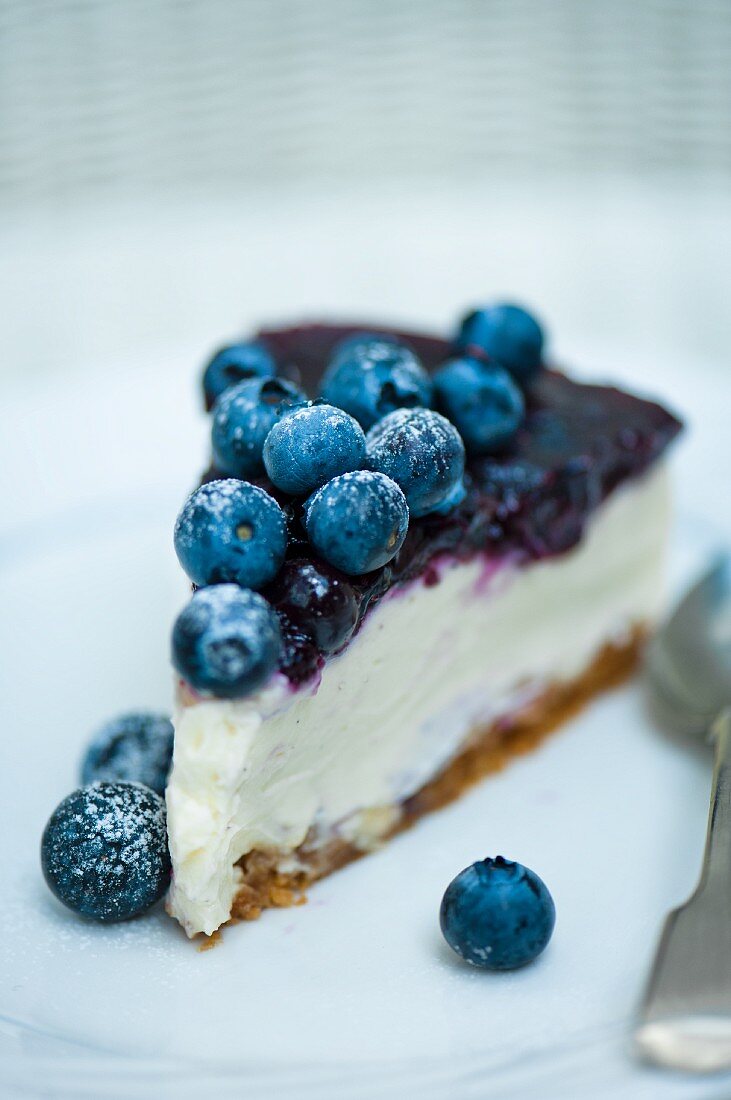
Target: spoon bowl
pixel 688 662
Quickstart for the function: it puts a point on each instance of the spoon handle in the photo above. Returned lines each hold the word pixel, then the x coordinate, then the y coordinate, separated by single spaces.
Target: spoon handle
pixel 685 1019
pixel 717 857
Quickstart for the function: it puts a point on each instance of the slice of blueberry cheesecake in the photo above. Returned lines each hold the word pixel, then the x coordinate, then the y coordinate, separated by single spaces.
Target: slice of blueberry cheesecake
pixel 412 557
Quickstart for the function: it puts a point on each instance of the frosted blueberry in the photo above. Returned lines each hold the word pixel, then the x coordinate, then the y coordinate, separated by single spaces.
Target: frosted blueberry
pixel 311 446
pixel 357 521
pixel 226 642
pixel 134 748
pixel 230 530
pixel 233 364
pixel 423 453
pixel 482 401
pixel 356 339
pixel 243 417
pixel 369 379
pixel 505 333
pixel 104 851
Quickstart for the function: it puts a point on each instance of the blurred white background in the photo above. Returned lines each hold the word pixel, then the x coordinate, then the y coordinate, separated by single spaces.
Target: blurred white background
pixel 171 172
pixel 175 172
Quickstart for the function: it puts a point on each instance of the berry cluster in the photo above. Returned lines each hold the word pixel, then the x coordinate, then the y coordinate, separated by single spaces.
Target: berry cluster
pixel 104 851
pixel 310 496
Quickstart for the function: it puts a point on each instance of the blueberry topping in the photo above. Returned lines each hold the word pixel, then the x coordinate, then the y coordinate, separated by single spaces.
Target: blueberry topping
pixel 497 915
pixel 133 748
pixel 242 419
pixel 104 851
pixel 231 531
pixel 358 521
pixel 357 339
pixel 318 601
pixel 371 379
pixel 452 501
pixel 300 659
pixel 311 446
pixel 234 364
pixel 507 334
pixel 589 437
pixel 422 452
pixel 532 499
pixel 482 401
pixel 226 641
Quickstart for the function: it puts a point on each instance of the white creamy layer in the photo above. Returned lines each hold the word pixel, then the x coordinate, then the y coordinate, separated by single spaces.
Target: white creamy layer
pixel 428 665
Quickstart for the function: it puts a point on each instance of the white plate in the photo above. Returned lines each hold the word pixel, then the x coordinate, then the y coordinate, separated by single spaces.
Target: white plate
pixel 353 995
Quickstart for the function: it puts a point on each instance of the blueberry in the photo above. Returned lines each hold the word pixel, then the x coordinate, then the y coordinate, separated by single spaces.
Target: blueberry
pixel 233 364
pixel 300 659
pixel 372 378
pixel 422 452
pixel 356 339
pixel 358 521
pixel 455 498
pixel 482 401
pixel 104 851
pixel 317 600
pixel 311 446
pixel 226 641
pixel 497 915
pixel 133 748
pixel 231 531
pixel 507 334
pixel 242 419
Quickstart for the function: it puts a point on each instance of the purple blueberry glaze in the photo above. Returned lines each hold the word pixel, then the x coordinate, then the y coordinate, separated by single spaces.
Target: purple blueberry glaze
pixel 533 500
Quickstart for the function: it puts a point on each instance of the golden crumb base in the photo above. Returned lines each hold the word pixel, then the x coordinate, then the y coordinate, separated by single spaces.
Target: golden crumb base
pixel 488 750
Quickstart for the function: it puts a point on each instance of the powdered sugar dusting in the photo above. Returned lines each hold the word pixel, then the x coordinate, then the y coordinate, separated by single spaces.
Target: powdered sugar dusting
pixel 414 432
pixel 210 506
pixel 380 486
pixel 105 852
pixel 134 748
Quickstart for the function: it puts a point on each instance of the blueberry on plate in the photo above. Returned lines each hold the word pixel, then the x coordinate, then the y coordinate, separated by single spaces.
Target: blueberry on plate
pixel 497 915
pixel 506 333
pixel 482 401
pixel 243 417
pixel 233 364
pixel 230 530
pixel 358 521
pixel 312 445
pixel 104 851
pixel 423 453
pixel 369 379
pixel 133 748
pixel 226 641
pixel 317 600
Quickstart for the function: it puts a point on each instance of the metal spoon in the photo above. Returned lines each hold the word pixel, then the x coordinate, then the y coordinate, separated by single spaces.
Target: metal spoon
pixel 685 1018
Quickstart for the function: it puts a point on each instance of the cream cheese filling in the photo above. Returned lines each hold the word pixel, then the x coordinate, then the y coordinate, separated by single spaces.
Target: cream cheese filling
pixel 428 665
